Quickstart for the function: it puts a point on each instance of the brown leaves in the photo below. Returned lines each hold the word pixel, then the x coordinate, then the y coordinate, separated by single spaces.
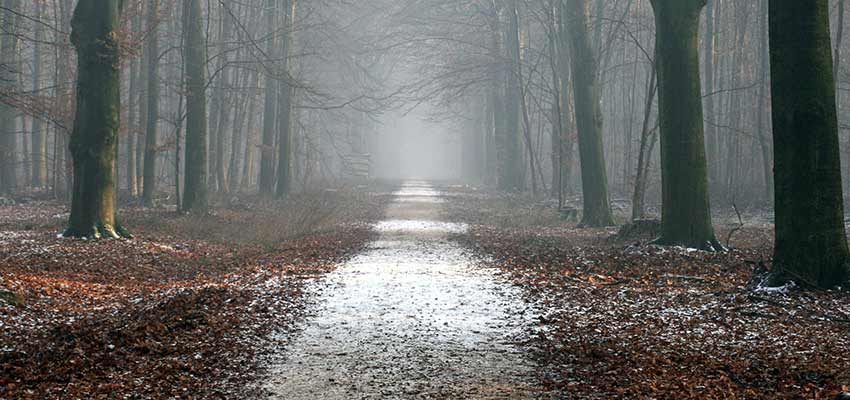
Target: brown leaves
pixel 167 315
pixel 648 322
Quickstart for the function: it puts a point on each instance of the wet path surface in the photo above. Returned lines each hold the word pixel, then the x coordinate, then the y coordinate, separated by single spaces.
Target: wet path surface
pixel 410 317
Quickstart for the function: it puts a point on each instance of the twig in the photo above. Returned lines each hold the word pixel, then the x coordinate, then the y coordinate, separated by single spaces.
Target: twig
pixel 737 228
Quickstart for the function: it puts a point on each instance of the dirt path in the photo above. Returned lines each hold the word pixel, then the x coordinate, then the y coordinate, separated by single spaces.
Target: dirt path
pixel 410 317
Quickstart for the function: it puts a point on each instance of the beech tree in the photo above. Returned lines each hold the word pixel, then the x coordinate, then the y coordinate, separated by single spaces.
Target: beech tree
pixel 588 116
pixel 94 138
pixel 195 187
pixel 8 79
pixel 686 215
pixel 152 77
pixel 284 123
pixel 811 243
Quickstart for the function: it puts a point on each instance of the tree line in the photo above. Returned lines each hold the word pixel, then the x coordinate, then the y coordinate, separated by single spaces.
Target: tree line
pixel 552 96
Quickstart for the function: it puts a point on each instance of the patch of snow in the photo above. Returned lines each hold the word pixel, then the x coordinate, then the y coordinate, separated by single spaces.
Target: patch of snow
pixel 784 289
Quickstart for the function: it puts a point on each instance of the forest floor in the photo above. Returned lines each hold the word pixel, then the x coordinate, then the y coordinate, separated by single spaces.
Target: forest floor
pixel 183 310
pixel 432 292
pixel 620 318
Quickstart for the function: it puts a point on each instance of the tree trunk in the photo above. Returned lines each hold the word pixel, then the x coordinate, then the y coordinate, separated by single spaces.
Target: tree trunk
pixel 39 142
pixel 8 123
pixel 686 214
pixel 94 139
pixel 708 43
pixel 133 113
pixel 511 177
pixel 149 177
pixel 647 144
pixel 811 244
pixel 597 205
pixel 762 127
pixel 220 109
pixel 284 122
pixel 195 185
pixel 267 155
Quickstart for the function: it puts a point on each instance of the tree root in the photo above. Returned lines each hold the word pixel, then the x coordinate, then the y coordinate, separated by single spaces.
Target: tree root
pixel 100 231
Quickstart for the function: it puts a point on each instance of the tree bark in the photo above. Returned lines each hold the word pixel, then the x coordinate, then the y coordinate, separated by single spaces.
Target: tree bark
pixel 511 177
pixel 597 205
pixel 284 122
pixel 811 244
pixel 39 142
pixel 94 139
pixel 151 132
pixel 195 186
pixel 686 214
pixel 267 156
pixel 8 123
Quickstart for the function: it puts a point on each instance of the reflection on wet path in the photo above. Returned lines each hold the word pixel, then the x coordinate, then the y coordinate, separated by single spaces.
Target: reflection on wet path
pixel 410 317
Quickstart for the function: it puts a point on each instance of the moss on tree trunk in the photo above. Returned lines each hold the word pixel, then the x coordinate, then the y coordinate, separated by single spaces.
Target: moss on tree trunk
pixel 686 214
pixel 811 244
pixel 94 139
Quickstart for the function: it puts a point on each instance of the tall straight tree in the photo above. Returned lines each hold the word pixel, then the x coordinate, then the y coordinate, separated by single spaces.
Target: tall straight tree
pixel 284 122
pixel 597 204
pixel 811 244
pixel 94 139
pixel 152 115
pixel 511 177
pixel 195 58
pixel 686 215
pixel 39 142
pixel 267 172
pixel 8 127
pixel 220 109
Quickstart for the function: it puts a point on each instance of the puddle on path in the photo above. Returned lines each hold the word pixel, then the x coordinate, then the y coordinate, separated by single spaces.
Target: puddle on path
pixel 410 317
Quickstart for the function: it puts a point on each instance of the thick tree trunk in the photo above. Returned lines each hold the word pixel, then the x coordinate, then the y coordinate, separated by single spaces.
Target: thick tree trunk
pixel 151 132
pixel 811 244
pixel 94 139
pixel 597 205
pixel 195 186
pixel 686 215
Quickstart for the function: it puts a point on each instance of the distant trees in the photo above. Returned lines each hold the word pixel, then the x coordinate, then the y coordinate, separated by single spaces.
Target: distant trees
pixel 811 243
pixel 686 215
pixel 94 139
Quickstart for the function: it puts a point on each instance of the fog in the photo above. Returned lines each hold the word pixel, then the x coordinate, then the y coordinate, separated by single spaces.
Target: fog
pixel 410 146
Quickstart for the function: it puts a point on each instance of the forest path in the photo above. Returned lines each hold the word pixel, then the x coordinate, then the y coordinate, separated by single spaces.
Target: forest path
pixel 409 317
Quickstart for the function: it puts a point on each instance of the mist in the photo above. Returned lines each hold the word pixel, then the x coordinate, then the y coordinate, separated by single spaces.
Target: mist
pixel 424 199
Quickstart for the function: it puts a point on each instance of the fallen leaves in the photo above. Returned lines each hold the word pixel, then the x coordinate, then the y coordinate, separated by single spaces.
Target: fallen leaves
pixel 170 314
pixel 639 321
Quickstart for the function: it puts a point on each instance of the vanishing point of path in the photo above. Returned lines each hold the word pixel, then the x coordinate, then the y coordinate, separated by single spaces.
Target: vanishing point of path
pixel 409 317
